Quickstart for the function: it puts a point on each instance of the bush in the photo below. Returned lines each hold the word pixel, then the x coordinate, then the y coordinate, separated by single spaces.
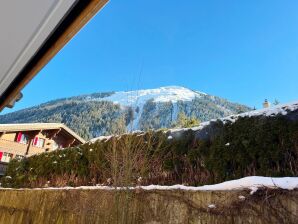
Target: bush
pixel 250 146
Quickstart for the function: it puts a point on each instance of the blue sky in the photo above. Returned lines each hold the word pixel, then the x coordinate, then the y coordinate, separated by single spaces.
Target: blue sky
pixel 244 51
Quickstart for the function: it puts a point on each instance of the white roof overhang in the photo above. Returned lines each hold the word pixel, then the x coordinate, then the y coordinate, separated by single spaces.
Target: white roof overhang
pixel 31 33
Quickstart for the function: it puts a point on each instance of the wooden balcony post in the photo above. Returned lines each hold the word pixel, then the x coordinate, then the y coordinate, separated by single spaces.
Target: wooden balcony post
pixel 1 134
pixel 70 143
pixel 52 134
pixel 29 146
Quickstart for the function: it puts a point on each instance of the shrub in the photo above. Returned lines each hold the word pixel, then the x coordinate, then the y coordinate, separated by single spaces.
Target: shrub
pixel 250 146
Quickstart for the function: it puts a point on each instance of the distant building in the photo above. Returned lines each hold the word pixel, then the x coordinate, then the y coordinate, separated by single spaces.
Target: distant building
pixel 20 140
pixel 266 104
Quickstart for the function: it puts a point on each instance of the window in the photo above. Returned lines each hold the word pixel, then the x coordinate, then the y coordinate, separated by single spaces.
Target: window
pixel 22 138
pixel 6 157
pixel 38 142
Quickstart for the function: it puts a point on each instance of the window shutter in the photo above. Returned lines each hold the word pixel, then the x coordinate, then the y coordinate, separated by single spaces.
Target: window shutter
pixel 19 137
pixel 35 141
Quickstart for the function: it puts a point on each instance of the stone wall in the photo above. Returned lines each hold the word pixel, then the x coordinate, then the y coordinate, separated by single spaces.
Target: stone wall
pixel 151 207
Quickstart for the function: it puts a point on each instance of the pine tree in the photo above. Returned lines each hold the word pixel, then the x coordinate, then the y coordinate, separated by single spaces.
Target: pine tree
pixel 185 122
pixel 276 102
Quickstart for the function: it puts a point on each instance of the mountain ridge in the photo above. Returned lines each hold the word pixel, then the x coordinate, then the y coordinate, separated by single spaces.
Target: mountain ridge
pixel 104 113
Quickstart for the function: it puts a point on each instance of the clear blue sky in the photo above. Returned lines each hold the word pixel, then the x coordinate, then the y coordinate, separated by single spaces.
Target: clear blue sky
pixel 244 51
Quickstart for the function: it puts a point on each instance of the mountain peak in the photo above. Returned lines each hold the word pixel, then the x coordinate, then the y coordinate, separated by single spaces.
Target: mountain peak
pixel 164 94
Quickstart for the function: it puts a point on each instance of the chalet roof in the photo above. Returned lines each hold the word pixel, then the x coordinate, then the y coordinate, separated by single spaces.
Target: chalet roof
pixel 39 126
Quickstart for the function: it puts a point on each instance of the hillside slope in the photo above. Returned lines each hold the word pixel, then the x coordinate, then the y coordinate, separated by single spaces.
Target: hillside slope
pixel 118 112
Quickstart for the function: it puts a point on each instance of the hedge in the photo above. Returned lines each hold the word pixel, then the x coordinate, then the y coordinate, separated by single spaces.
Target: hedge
pixel 266 146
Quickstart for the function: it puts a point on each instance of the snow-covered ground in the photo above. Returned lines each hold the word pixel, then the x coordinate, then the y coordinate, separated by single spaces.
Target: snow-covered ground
pixel 252 183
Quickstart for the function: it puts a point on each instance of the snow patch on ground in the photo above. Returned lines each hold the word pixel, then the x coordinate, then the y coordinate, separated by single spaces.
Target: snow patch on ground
pixel 101 138
pixel 252 183
pixel 212 206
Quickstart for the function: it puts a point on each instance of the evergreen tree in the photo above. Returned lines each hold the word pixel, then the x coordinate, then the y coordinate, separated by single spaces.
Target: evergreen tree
pixel 185 122
pixel 276 102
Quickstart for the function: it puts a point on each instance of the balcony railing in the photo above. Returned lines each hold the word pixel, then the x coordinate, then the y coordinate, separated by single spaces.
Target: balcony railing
pixel 18 148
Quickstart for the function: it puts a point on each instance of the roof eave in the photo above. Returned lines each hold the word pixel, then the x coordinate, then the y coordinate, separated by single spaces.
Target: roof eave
pixel 51 126
pixel 71 24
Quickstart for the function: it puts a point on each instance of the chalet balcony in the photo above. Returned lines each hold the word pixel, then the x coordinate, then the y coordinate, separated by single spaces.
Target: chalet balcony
pixel 17 148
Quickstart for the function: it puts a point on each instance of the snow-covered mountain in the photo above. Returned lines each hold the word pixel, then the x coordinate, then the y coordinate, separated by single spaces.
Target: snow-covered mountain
pixel 172 96
pixel 106 113
pixel 138 98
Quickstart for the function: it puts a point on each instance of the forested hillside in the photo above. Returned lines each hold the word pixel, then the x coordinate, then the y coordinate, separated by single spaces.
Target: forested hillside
pixel 118 112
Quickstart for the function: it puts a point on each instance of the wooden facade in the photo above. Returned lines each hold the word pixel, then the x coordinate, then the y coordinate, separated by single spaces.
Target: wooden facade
pixel 22 140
